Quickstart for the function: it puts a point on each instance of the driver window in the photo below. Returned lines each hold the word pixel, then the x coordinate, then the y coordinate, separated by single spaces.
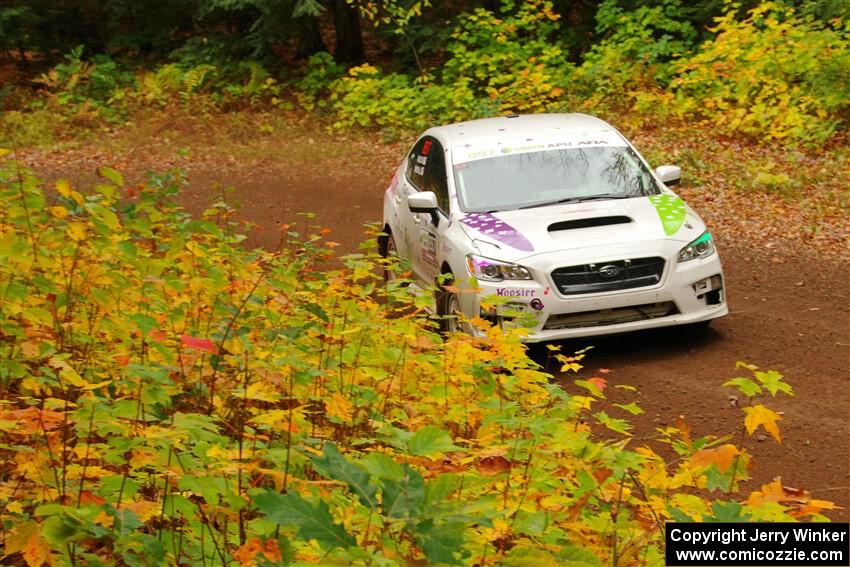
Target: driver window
pixel 435 174
pixel 416 163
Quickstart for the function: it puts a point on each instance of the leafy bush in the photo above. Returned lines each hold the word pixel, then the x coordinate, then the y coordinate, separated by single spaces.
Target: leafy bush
pixel 80 85
pixel 169 398
pixel 496 65
pixel 321 73
pixel 398 104
pixel 635 50
pixel 510 59
pixel 773 75
pixel 30 129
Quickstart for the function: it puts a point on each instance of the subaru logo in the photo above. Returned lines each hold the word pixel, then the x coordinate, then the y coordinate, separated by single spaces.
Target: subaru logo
pixel 609 271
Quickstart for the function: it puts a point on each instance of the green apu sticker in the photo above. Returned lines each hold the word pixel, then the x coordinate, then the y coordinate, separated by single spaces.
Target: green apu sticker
pixel 671 211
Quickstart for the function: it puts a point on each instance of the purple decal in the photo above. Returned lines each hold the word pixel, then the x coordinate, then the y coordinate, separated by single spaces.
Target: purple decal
pixel 536 304
pixel 489 225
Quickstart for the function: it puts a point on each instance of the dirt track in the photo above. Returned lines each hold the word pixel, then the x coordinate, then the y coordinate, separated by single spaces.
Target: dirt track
pixel 790 309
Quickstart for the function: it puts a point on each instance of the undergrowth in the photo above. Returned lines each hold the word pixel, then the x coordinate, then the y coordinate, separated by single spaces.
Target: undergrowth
pixel 170 397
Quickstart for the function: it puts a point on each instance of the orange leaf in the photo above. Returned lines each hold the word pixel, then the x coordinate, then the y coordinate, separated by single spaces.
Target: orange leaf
pixel 27 541
pixel 721 457
pixel 489 466
pixel 32 419
pixel 598 382
pixel 86 497
pixel 775 492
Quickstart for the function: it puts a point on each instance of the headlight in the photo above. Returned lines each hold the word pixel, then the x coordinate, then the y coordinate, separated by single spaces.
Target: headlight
pixel 489 270
pixel 699 248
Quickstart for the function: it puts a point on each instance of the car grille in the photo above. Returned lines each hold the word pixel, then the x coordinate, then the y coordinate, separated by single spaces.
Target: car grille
pixel 617 315
pixel 608 276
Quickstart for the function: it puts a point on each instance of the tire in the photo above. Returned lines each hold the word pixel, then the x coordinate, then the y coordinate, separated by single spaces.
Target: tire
pixel 389 250
pixel 448 308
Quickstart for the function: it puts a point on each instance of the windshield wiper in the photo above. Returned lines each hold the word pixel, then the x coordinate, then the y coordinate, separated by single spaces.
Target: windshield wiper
pixel 602 196
pixel 576 200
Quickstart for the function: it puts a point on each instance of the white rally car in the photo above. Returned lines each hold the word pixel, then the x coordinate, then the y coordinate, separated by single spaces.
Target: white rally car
pixel 560 215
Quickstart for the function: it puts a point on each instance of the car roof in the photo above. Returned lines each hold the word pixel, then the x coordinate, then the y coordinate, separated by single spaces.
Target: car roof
pixel 519 125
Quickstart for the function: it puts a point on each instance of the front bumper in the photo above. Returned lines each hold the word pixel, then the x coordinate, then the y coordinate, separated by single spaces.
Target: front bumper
pixel 689 292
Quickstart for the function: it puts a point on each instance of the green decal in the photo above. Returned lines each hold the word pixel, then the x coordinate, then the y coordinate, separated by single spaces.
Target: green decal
pixel 671 211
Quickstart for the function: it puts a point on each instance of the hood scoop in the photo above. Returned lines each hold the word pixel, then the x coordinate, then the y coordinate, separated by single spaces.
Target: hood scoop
pixel 588 223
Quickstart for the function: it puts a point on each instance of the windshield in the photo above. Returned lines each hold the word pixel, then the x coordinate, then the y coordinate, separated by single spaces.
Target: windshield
pixel 542 178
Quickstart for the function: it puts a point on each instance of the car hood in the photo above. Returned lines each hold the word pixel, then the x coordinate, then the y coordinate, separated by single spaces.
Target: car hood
pixel 518 234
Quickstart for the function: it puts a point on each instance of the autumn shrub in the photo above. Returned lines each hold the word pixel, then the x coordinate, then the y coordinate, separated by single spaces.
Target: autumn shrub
pixel 495 65
pixel 510 58
pixel 399 104
pixel 170 397
pixel 313 87
pixel 773 75
pixel 634 52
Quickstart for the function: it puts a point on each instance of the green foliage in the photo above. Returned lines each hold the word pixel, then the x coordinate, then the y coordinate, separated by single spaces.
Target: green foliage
pixel 495 65
pixel 79 86
pixel 635 48
pixel 320 74
pixel 773 75
pixel 396 103
pixel 170 397
pixel 36 128
pixel 510 59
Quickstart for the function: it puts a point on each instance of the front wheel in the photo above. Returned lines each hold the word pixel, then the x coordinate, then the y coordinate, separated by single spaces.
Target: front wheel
pixel 390 252
pixel 448 310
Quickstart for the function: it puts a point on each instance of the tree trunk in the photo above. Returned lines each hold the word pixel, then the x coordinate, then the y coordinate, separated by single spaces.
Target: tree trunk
pixel 349 40
pixel 309 38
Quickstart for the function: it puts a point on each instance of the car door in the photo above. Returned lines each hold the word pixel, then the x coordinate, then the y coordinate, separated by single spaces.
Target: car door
pixel 406 229
pixel 432 160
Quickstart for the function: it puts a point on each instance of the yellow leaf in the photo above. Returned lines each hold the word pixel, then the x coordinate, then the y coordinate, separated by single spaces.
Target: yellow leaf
pixel 14 507
pixel 64 187
pixel 77 231
pixel 760 415
pixel 338 406
pixel 98 385
pixel 70 376
pixel 59 212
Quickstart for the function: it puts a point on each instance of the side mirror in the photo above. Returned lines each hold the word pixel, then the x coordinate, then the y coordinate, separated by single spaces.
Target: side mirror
pixel 669 174
pixel 424 202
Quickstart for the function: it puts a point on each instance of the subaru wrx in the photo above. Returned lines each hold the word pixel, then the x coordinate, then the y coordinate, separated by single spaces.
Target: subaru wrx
pixel 559 215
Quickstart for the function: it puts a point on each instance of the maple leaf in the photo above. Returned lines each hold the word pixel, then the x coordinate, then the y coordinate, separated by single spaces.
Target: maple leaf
pixel 775 492
pixel 27 541
pixel 489 466
pixel 722 457
pixel 767 418
pixel 339 407
pixel 205 345
pixel 32 419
